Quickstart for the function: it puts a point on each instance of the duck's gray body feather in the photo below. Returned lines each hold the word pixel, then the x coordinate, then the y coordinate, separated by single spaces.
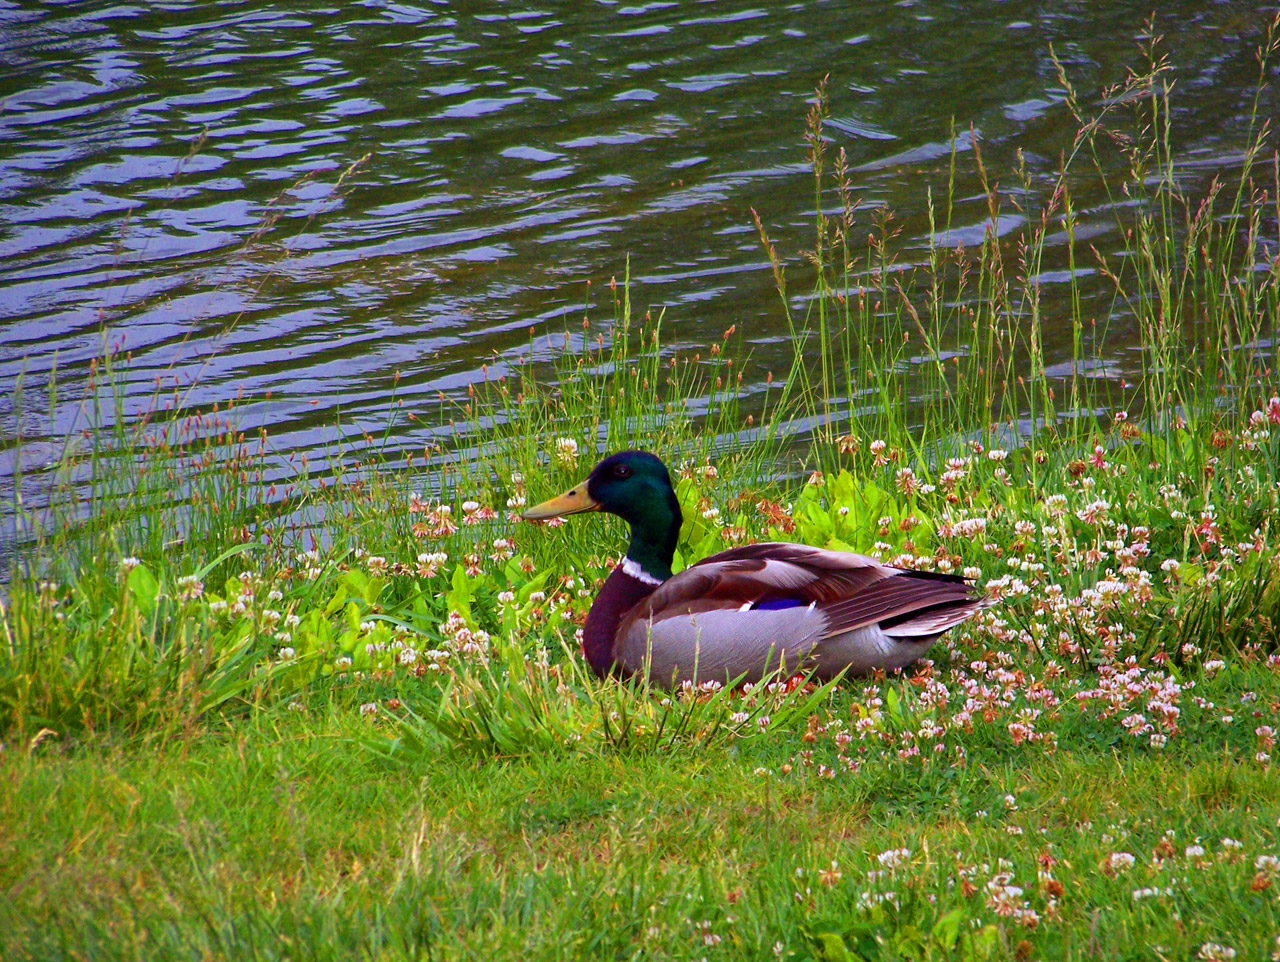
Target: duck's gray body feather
pixel 720 644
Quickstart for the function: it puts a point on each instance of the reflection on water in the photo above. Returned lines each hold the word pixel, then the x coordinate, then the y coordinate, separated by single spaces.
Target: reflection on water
pixel 170 170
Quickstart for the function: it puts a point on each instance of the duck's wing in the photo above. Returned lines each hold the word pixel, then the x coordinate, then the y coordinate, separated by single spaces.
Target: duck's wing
pixel 749 609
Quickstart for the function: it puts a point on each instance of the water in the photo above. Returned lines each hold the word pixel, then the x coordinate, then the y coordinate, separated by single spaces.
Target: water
pixel 168 174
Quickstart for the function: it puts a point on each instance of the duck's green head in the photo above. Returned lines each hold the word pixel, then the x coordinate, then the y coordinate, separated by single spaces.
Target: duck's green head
pixel 636 487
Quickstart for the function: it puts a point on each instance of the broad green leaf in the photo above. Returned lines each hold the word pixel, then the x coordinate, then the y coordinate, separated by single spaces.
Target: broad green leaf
pixel 461 593
pixel 145 589
pixel 336 602
pixel 947 929
pixel 893 704
pixel 831 947
pixel 355 581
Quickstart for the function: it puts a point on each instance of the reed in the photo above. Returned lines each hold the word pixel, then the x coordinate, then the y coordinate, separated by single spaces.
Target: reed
pixel 929 353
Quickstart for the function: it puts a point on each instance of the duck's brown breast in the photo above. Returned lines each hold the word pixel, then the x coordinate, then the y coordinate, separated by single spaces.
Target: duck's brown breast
pixel 621 593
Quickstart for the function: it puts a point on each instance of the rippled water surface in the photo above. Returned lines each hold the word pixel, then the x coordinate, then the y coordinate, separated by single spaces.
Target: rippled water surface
pixel 169 171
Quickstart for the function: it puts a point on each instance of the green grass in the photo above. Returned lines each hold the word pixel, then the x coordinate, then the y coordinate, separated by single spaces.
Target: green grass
pixel 280 839
pixel 249 711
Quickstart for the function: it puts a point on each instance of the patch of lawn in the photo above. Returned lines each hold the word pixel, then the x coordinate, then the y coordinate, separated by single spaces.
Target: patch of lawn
pixel 281 838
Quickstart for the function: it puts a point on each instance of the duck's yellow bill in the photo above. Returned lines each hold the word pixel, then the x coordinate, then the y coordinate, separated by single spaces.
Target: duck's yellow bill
pixel 574 501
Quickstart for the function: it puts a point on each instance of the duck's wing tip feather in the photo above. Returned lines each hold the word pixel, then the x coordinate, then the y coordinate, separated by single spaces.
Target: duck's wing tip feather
pixel 932 621
pixel 905 605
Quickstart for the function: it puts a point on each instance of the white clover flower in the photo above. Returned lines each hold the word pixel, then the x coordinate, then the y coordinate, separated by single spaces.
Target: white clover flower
pixel 369 708
pixel 1120 861
pixel 894 857
pixel 1215 952
pixel 906 481
pixel 1000 884
pixel 190 587
pixel 566 452
pixel 869 900
pixel 970 527
pixel 1094 511
pixel 287 654
pixel 128 563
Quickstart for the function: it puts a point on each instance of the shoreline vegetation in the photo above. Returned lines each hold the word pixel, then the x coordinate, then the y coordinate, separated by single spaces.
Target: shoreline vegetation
pixel 252 711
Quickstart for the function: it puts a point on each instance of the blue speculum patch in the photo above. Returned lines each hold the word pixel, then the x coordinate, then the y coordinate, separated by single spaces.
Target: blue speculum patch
pixel 776 604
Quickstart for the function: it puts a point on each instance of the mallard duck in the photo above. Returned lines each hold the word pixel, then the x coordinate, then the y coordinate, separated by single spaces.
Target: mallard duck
pixel 742 613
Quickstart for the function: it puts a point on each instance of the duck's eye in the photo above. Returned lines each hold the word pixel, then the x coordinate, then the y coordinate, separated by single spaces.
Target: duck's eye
pixel 622 471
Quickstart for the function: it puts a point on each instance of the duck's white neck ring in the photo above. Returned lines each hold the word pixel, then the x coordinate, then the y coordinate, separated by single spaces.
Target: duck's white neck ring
pixel 633 569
